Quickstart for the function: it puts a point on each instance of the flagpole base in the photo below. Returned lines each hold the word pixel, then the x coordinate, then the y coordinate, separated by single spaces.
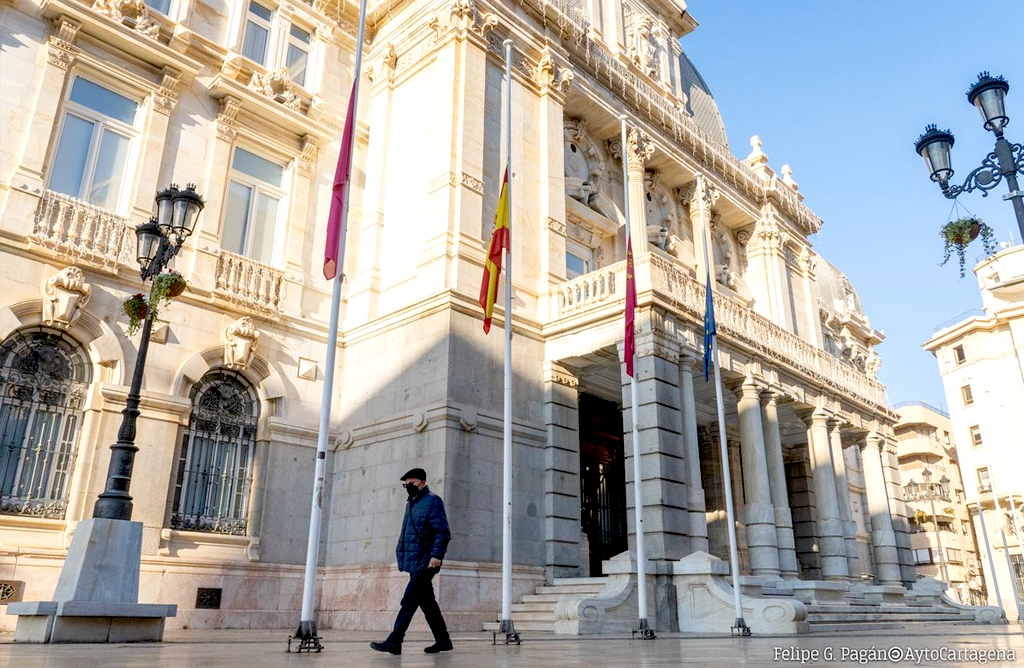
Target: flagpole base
pixel 643 628
pixel 306 634
pixel 740 628
pixel 511 635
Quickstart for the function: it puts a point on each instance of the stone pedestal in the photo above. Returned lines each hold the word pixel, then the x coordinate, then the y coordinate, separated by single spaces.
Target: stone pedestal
pixel 96 599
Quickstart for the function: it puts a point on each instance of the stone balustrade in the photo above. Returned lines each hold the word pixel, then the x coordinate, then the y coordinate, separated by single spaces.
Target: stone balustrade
pixel 251 284
pixel 589 290
pixel 80 231
pixel 736 322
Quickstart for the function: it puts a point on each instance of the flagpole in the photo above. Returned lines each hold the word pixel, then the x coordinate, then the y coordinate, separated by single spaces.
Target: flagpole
pixel 643 627
pixel 307 632
pixel 740 626
pixel 506 626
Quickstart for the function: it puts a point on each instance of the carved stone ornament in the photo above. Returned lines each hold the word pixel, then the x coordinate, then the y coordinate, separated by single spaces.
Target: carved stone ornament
pixel 307 161
pixel 60 47
pixel 167 96
pixel 64 296
pixel 873 365
pixel 463 16
pixel 132 13
pixel 699 194
pixel 227 126
pixel 240 343
pixel 642 47
pixel 276 85
pixel 549 76
pixel 639 149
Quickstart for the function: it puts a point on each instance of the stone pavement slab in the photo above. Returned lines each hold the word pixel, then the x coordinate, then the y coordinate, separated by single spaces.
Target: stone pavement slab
pixel 196 648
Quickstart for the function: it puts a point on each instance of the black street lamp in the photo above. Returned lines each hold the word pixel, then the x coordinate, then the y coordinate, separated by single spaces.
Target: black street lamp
pixel 930 494
pixel 159 240
pixel 988 94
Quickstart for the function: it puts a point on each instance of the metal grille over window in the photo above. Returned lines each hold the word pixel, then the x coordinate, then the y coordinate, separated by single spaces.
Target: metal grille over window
pixel 215 469
pixel 44 378
pixel 208 598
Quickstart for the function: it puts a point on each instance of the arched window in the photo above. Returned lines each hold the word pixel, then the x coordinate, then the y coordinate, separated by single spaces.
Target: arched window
pixel 211 491
pixel 44 377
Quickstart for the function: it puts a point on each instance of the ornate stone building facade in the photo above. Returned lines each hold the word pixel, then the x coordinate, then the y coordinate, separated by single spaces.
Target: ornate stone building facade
pixel 105 102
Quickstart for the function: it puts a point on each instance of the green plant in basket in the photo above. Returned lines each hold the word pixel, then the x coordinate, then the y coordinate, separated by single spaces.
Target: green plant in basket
pixel 136 308
pixel 957 234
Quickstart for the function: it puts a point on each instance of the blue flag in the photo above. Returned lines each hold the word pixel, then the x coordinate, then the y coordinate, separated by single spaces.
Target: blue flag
pixel 709 327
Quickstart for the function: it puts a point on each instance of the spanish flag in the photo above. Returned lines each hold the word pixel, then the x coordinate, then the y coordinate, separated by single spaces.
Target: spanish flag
pixel 492 263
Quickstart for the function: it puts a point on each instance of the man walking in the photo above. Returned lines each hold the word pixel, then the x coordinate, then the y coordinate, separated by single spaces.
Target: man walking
pixel 421 547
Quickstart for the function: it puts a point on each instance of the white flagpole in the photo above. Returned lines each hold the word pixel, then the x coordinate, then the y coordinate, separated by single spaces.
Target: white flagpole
pixel 1002 534
pixel 988 551
pixel 506 625
pixel 307 632
pixel 740 626
pixel 638 496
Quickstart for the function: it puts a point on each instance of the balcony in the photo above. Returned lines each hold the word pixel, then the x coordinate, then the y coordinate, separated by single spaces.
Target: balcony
pixel 590 296
pixel 250 284
pixel 81 232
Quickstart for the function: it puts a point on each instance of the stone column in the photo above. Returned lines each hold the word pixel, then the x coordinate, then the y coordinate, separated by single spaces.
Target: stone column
pixel 883 539
pixel 636 152
pixel 898 511
pixel 788 565
pixel 758 511
pixel 691 451
pixel 562 473
pixel 662 463
pixel 699 196
pixel 831 541
pixel 843 496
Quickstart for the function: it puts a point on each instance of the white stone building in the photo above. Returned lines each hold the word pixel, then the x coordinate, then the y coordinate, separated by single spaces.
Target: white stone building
pixel 982 370
pixel 105 102
pixel 941 531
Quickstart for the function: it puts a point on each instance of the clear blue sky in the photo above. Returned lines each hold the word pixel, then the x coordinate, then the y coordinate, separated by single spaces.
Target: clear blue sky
pixel 840 91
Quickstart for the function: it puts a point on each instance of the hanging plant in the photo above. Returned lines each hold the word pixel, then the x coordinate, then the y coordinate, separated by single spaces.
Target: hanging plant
pixel 957 234
pixel 165 286
pixel 136 308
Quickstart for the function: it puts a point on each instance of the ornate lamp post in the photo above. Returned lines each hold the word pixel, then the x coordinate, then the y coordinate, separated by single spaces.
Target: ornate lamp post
pixel 159 241
pixel 930 493
pixel 988 94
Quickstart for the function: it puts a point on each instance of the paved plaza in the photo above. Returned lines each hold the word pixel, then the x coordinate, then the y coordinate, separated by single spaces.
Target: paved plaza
pixel 937 646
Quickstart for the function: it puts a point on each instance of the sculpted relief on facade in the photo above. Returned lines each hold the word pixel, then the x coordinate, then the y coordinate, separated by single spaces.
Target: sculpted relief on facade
pixel 585 177
pixel 642 47
pixel 65 295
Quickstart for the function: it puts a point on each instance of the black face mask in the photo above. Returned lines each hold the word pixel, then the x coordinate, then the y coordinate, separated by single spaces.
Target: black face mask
pixel 411 489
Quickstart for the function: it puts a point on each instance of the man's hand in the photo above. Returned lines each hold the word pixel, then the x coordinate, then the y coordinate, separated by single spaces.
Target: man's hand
pixel 435 563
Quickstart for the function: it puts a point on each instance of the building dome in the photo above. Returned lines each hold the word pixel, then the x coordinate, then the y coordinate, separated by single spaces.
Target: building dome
pixel 700 103
pixel 835 289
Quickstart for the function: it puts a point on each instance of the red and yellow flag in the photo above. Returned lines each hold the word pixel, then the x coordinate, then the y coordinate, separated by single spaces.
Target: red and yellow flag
pixel 492 263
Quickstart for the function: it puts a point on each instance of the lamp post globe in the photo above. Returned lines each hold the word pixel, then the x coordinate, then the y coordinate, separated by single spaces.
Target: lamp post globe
pixel 1005 162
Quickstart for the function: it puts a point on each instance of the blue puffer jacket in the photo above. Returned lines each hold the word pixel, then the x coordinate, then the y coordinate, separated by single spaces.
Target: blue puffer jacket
pixel 425 532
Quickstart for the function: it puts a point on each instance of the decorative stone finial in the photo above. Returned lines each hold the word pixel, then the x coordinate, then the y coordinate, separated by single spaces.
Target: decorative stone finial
pixel 787 177
pixel 757 156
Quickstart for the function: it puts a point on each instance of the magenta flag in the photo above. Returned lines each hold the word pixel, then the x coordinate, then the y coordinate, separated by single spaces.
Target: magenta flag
pixel 339 192
pixel 630 351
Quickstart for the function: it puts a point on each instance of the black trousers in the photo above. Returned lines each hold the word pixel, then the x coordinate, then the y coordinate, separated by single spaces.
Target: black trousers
pixel 420 594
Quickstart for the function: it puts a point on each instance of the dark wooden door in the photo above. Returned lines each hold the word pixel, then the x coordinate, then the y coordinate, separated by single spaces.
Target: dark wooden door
pixel 602 480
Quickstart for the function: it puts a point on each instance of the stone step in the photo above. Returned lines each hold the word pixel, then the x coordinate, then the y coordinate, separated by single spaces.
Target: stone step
pixel 846 627
pixel 533 606
pixel 599 582
pixel 550 599
pixel 569 590
pixel 873 617
pixel 545 627
pixel 878 609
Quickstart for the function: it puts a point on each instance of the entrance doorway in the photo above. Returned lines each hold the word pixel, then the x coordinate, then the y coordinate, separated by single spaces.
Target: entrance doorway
pixel 602 480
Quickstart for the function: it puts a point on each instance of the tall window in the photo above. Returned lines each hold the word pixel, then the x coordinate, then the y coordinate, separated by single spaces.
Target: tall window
pixel 297 57
pixel 211 492
pixel 579 259
pixel 253 206
pixel 953 556
pixel 43 382
pixel 91 161
pixel 256 39
pixel 967 395
pixel 162 6
pixel 984 481
pixel 975 435
pixel 959 355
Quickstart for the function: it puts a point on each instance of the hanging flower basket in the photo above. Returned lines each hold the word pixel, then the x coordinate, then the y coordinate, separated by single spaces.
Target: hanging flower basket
pixel 957 234
pixel 136 308
pixel 169 284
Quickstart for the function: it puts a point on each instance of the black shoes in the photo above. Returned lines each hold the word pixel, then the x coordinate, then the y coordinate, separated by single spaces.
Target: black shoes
pixel 438 647
pixel 386 646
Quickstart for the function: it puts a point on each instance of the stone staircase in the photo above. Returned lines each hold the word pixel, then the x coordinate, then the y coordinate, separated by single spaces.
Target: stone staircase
pixel 537 611
pixel 824 618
